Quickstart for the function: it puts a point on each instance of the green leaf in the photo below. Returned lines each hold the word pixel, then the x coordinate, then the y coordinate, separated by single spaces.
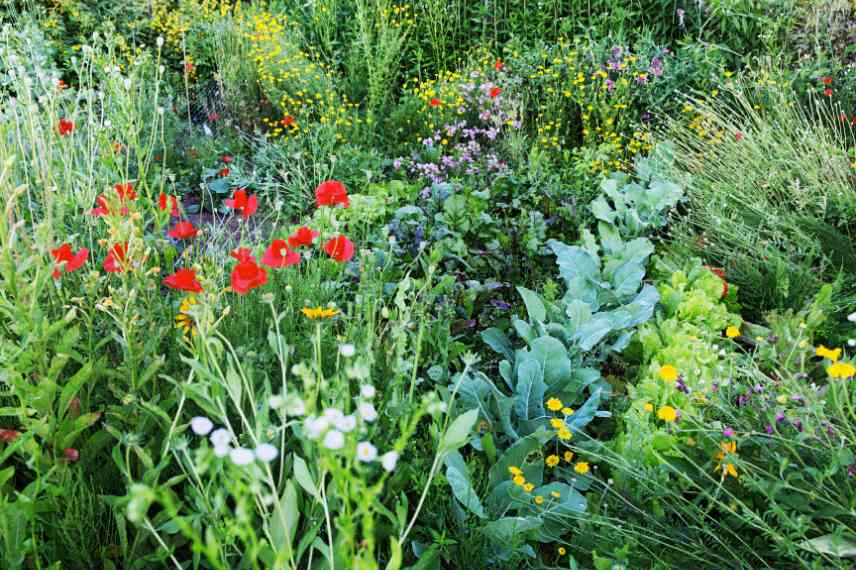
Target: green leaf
pixel 832 545
pixel 458 476
pixel 534 305
pixel 507 529
pixel 459 432
pixel 529 392
pixel 516 455
pixel 552 355
pixel 497 340
pixel 304 477
pixel 70 390
pixel 284 520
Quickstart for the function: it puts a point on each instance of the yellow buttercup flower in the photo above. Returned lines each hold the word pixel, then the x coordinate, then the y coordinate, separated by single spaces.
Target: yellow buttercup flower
pixel 556 423
pixel 841 370
pixel 562 551
pixel 514 470
pixel 581 467
pixel 552 460
pixel 568 411
pixel 519 480
pixel 539 499
pixel 555 494
pixel 528 487
pixel 668 373
pixel 732 332
pixel 832 354
pixel 648 407
pixel 319 312
pixel 568 456
pixel 564 433
pixel 667 414
pixel 554 404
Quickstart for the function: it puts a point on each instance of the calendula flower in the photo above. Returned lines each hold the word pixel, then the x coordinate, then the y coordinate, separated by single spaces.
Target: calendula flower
pixel 562 551
pixel 556 423
pixel 538 499
pixel 552 460
pixel 555 494
pixel 568 411
pixel 732 332
pixel 528 487
pixel 832 354
pixel 554 404
pixel 568 456
pixel 841 370
pixel 183 320
pixel 648 407
pixel 667 414
pixel 519 480
pixel 581 467
pixel 514 470
pixel 668 373
pixel 564 434
pixel 319 313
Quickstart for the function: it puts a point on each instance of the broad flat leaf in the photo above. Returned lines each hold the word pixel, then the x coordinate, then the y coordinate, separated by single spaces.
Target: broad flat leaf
pixel 593 331
pixel 497 340
pixel 516 455
pixel 284 520
pixel 584 414
pixel 72 387
pixel 458 476
pixel 842 547
pixel 529 392
pixel 552 355
pixel 534 305
pixel 304 477
pixel 459 432
pixel 507 529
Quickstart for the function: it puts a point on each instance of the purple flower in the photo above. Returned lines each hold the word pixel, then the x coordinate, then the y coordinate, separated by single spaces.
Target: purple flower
pixel 500 304
pixel 757 388
pixel 610 84
pixel 780 417
pixel 769 429
pixel 396 164
pixel 728 432
pixel 681 386
pixel 798 424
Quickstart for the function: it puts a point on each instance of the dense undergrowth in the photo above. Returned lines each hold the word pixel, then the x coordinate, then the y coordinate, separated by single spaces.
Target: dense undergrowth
pixel 439 284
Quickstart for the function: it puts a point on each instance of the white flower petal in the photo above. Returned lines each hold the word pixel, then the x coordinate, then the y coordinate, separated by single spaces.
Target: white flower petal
pixel 201 425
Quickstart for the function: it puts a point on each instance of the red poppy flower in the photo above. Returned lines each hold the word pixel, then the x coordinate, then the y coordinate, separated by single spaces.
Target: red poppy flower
pixel 227 159
pixel 434 102
pixel 340 248
pixel 183 280
pixel 826 80
pixel 246 205
pixel 73 261
pixel 224 172
pixel 720 272
pixel 287 121
pixel 331 193
pixel 183 230
pixel 66 127
pixel 71 454
pixel 9 435
pixel 738 136
pixel 101 209
pixel 125 190
pixel 494 92
pixel 246 275
pixel 188 66
pixel 242 254
pixel 165 200
pixel 498 65
pixel 115 258
pixel 278 255
pixel 827 92
pixel 853 121
pixel 303 236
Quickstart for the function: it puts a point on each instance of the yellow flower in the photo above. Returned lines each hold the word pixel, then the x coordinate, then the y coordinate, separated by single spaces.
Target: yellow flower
pixel 319 313
pixel 556 423
pixel 562 551
pixel 668 373
pixel 581 467
pixel 841 370
pixel 552 460
pixel 514 470
pixel 539 499
pixel 648 407
pixel 528 487
pixel 183 320
pixel 831 354
pixel 554 404
pixel 564 433
pixel 732 332
pixel 568 456
pixel 568 411
pixel 555 494
pixel 667 414
pixel 728 447
pixel 519 480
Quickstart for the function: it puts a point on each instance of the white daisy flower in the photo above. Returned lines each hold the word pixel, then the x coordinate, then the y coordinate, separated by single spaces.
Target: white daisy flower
pixel 366 451
pixel 241 456
pixel 367 411
pixel 201 425
pixel 266 452
pixel 388 460
pixel 221 437
pixel 334 439
pixel 367 391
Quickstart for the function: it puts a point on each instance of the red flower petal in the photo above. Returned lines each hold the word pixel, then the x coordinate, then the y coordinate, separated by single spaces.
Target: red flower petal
pixel 331 193
pixel 183 280
pixel 246 275
pixel 340 248
pixel 115 258
pixel 183 230
pixel 303 236
pixel 278 255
